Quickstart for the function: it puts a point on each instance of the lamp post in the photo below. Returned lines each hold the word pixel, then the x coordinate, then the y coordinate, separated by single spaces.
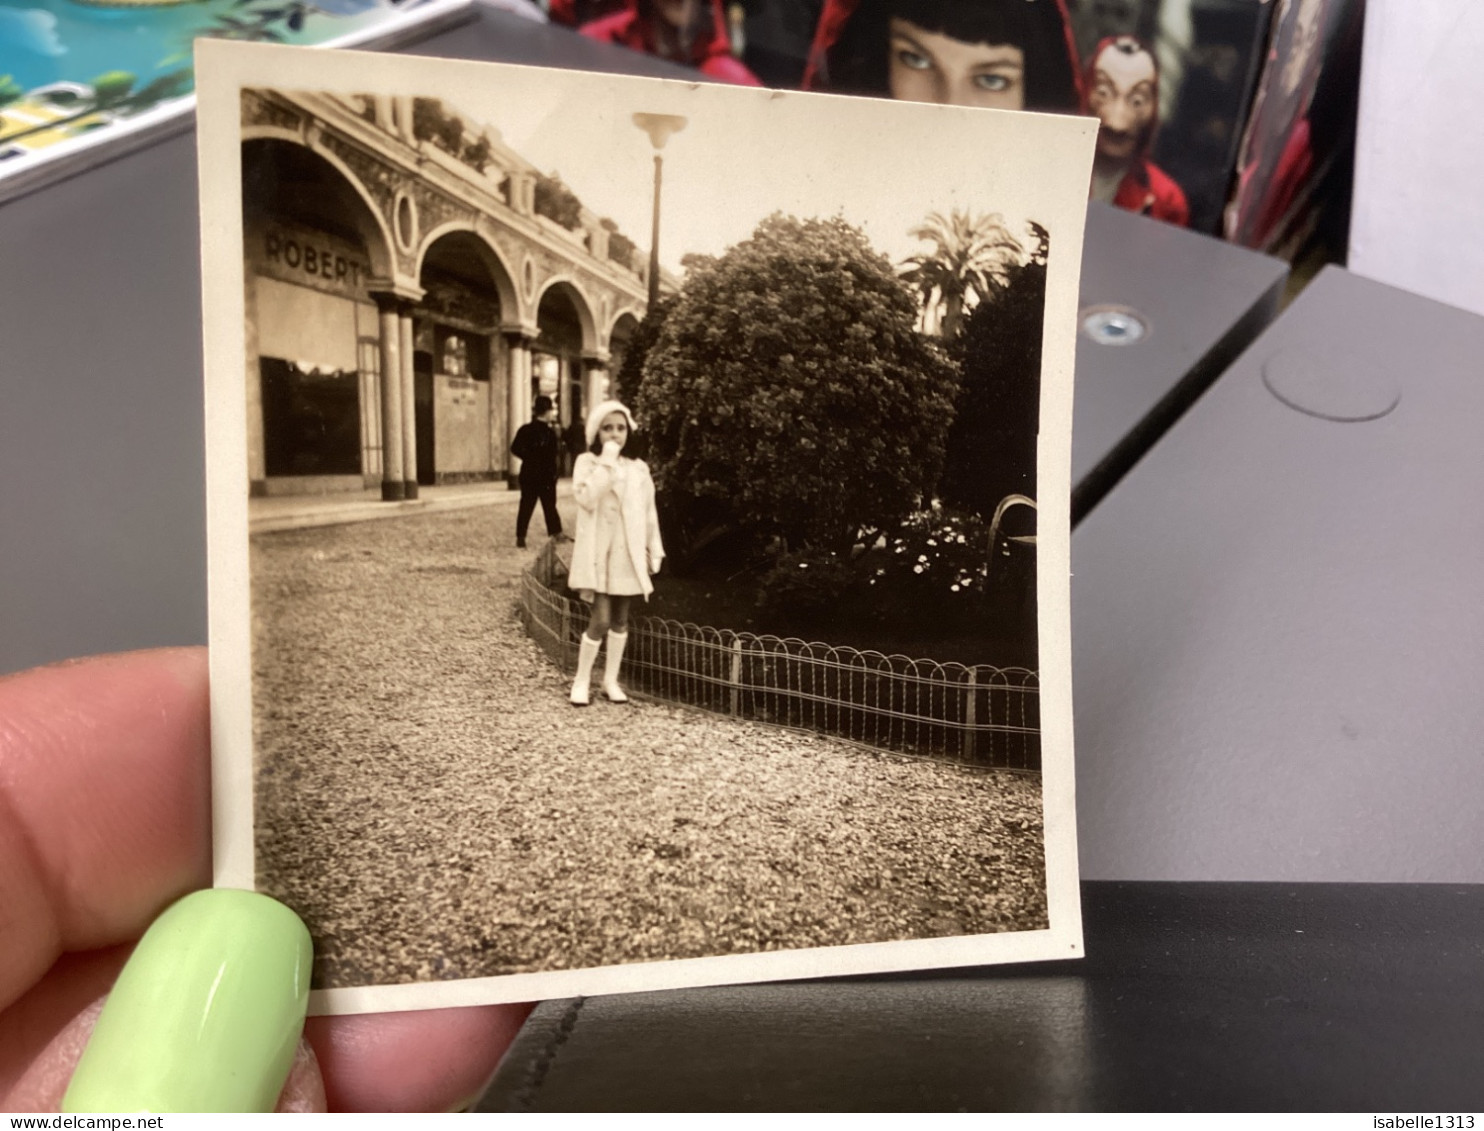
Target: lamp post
pixel 659 127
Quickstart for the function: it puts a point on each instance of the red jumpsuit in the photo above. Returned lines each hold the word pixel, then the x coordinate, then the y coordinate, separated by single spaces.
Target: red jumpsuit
pixel 1145 188
pixel 711 54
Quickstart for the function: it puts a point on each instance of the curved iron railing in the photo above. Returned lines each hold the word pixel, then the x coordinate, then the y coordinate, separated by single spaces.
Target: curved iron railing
pixel 977 715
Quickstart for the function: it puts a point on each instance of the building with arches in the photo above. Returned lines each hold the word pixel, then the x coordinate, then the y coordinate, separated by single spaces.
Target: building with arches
pixel 412 284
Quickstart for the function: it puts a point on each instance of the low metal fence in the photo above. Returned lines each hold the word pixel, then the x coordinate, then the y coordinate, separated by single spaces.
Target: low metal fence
pixel 977 715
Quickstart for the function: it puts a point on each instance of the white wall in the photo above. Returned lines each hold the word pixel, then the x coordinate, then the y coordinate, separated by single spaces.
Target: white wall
pixel 1418 219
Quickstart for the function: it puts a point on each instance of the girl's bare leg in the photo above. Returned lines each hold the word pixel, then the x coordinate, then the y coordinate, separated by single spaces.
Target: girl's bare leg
pixel 619 612
pixel 603 614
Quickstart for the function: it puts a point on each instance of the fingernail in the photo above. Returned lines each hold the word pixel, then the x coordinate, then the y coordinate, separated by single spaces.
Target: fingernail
pixel 206 1014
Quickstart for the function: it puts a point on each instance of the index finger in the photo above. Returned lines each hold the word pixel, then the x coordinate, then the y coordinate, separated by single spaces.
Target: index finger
pixel 104 803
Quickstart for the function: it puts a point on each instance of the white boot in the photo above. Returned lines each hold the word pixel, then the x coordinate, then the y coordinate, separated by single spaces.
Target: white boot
pixel 616 642
pixel 587 654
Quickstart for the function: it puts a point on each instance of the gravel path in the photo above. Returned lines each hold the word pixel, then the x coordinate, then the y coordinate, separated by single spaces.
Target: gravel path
pixel 434 809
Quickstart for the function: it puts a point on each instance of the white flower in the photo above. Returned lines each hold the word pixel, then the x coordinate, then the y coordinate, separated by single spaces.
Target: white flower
pixel 932 541
pixel 803 565
pixel 917 569
pixel 954 588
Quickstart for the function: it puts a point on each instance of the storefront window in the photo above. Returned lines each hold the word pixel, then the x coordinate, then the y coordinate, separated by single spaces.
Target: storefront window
pixel 459 353
pixel 311 419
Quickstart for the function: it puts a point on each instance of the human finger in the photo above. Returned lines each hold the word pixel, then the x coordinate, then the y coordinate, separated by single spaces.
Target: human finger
pixel 104 780
pixel 422 1060
pixel 42 1086
pixel 432 1060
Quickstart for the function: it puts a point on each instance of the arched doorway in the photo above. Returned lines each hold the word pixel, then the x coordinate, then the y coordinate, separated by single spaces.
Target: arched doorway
pixel 619 338
pixel 311 247
pixel 565 331
pixel 460 364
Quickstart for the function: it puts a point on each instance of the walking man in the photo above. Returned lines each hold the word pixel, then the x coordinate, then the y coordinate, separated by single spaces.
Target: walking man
pixel 538 448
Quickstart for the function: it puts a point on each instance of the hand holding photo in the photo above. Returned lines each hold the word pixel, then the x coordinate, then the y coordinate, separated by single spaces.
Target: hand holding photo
pixel 790 378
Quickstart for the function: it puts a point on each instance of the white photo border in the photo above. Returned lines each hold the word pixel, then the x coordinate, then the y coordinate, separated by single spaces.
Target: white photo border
pixel 1059 151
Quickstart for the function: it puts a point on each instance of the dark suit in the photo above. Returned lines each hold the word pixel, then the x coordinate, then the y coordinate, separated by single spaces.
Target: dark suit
pixel 538 448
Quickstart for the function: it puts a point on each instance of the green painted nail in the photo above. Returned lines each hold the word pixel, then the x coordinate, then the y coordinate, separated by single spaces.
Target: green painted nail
pixel 206 1014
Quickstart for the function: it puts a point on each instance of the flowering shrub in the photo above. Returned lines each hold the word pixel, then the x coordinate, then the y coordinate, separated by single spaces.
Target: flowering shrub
pixel 807 587
pixel 929 573
pixel 933 569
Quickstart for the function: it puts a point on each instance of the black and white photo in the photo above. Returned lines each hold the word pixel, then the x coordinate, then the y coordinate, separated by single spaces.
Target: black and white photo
pixel 639 525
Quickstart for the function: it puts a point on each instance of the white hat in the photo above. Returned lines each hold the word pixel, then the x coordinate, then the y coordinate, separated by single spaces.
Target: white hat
pixel 595 418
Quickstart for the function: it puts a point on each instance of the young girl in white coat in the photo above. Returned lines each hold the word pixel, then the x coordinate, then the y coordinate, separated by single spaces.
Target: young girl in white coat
pixel 617 547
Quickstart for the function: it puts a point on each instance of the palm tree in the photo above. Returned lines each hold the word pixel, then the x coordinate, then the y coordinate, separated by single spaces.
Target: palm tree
pixel 971 259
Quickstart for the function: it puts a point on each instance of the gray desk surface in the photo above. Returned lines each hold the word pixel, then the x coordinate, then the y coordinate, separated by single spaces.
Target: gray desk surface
pixel 1203 302
pixel 1277 618
pixel 100 439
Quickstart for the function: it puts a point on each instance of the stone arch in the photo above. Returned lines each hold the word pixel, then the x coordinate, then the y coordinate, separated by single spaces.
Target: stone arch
pixel 468 395
pixel 566 341
pixel 367 220
pixel 500 272
pixel 565 286
pixel 620 334
pixel 623 324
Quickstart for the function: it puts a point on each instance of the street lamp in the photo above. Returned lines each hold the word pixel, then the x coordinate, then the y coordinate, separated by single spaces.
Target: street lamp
pixel 659 127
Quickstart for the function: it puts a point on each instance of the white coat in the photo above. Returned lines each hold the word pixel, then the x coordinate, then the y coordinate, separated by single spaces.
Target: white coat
pixel 591 480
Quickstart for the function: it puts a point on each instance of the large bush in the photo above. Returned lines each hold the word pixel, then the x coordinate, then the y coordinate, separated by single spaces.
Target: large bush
pixel 790 397
pixel 992 443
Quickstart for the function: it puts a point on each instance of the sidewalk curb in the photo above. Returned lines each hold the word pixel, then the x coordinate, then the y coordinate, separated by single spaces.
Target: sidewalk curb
pixel 318 513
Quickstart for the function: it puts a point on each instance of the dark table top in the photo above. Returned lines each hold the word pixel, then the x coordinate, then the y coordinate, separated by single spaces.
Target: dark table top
pixel 1192 997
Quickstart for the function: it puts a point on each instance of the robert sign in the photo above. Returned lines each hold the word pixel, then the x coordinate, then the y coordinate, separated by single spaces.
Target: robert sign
pixel 309 258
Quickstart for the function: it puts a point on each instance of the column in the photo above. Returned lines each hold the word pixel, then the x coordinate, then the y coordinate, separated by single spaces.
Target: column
pixel 517 392
pixel 598 242
pixel 594 377
pixel 385 116
pixel 257 474
pixel 392 487
pixel 499 403
pixel 409 403
pixel 402 115
pixel 523 192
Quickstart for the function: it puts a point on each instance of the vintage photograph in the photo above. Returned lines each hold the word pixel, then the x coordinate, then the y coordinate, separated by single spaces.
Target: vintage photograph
pixel 638 520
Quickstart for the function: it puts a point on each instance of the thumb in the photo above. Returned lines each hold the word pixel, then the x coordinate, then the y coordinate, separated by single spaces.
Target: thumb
pixel 42 1086
pixel 207 1015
